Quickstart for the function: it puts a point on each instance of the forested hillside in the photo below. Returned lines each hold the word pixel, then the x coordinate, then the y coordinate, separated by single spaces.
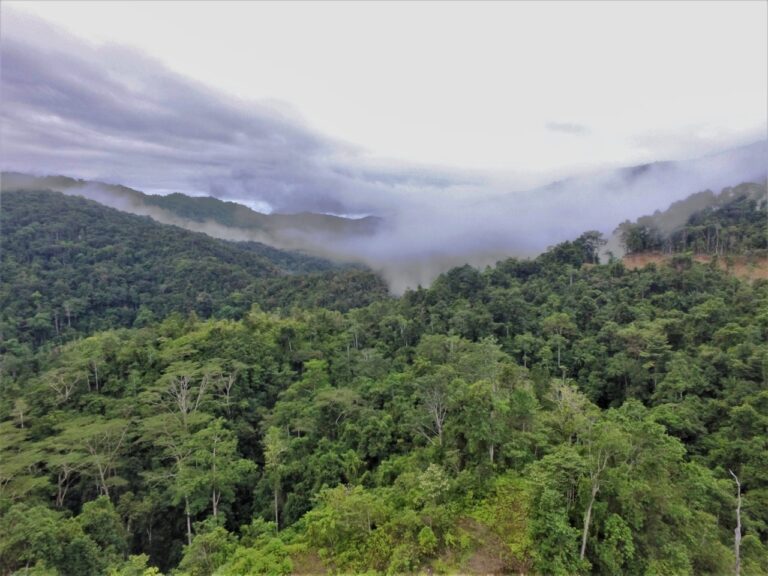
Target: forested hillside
pixel 383 289
pixel 187 211
pixel 547 416
pixel 71 267
pixel 731 222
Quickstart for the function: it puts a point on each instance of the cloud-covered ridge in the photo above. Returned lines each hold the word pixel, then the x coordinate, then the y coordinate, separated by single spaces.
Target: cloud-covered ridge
pixel 109 113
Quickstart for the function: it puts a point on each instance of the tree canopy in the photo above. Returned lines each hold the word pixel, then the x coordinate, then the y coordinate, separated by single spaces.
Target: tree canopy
pixel 545 416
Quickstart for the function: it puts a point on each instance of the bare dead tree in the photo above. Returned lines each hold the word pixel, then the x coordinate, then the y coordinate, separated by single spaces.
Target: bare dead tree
pixel 64 480
pixel 601 463
pixel 95 368
pixel 737 530
pixel 63 387
pixel 436 404
pixel 104 448
pixel 224 385
pixel 181 400
pixel 185 398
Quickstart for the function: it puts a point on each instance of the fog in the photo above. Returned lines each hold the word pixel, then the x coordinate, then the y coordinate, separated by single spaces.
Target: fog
pixel 134 122
pixel 424 239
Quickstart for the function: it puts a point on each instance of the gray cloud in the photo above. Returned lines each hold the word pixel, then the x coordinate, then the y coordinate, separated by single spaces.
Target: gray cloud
pixel 568 128
pixel 112 114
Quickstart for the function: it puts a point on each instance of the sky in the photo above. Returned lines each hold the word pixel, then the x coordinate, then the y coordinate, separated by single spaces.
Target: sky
pixel 448 120
pixel 515 88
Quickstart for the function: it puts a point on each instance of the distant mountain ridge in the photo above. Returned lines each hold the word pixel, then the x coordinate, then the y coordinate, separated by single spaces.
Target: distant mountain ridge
pixel 215 217
pixel 746 163
pixel 417 240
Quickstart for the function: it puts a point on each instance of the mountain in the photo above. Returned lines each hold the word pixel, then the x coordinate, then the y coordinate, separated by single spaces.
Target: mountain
pixel 71 266
pixel 419 240
pixel 728 230
pixel 217 218
pixel 735 221
pixel 615 195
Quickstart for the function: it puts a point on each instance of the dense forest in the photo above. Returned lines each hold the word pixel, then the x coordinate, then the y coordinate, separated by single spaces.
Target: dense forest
pixel 728 223
pixel 189 211
pixel 545 416
pixel 72 267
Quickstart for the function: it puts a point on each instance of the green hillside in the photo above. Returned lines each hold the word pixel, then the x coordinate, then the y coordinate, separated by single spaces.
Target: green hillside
pixel 187 211
pixel 544 416
pixel 72 267
pixel 733 222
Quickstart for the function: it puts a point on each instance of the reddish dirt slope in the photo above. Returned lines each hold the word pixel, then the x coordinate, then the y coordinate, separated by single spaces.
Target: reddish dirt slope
pixel 745 267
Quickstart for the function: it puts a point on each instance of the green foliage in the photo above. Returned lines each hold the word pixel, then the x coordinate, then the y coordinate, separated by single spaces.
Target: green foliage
pixel 540 416
pixel 507 513
pixel 209 550
pixel 260 551
pixel 101 522
pixel 38 536
pixel 135 566
pixel 732 222
pixel 71 267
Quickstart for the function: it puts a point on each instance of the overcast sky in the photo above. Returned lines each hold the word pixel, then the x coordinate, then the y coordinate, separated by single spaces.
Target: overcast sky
pixel 509 87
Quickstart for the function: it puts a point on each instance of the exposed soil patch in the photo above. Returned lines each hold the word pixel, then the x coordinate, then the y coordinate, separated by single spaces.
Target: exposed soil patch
pixel 745 267
pixel 486 558
pixel 307 563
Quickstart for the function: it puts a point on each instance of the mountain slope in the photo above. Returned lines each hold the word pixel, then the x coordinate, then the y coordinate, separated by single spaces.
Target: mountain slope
pixel 735 221
pixel 218 218
pixel 462 428
pixel 71 266
pixel 419 239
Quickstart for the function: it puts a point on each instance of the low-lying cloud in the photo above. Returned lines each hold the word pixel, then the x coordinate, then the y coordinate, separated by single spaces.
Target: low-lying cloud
pixel 110 113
